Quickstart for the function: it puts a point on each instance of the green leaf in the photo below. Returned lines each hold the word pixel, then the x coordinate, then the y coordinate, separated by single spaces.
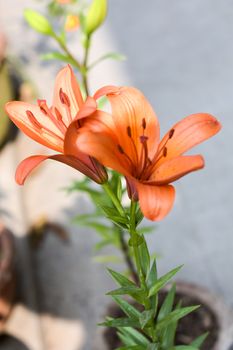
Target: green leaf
pixel 174 316
pixel 150 281
pixel 125 339
pixel 152 277
pixel 56 56
pixel 200 340
pixel 102 102
pixel 152 347
pixel 96 15
pixel 134 336
pixel 168 335
pixel 109 211
pixel 120 322
pixel 105 242
pixel 145 317
pixel 128 309
pixel 129 290
pixel 110 55
pixel 139 216
pixel 162 281
pixel 136 240
pixel 38 22
pixel 121 279
pixel 144 257
pixel 166 308
pixel 145 230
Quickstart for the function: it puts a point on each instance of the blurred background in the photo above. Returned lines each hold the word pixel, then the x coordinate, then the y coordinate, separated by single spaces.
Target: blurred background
pixel 180 54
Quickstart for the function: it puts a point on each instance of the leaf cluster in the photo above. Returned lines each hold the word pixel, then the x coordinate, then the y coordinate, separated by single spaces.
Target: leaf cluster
pixel 146 325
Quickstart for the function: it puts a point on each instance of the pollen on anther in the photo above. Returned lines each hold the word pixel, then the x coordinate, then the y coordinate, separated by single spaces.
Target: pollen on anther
pixel 64 98
pixel 58 114
pixel 144 123
pixel 129 133
pixel 165 152
pixel 171 133
pixel 120 149
pixel 33 120
pixel 42 104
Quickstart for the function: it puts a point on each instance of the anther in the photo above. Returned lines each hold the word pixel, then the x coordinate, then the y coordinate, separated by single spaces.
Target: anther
pixel 171 133
pixel 33 120
pixel 165 152
pixel 129 131
pixel 58 114
pixel 120 149
pixel 64 98
pixel 144 123
pixel 42 105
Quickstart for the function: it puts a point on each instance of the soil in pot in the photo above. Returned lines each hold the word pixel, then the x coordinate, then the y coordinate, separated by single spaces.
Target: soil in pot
pixel 190 327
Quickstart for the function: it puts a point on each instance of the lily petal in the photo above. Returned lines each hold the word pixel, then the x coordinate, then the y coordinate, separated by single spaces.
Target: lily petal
pixel 188 133
pixel 103 148
pixel 87 109
pixel 106 90
pixel 175 168
pixel 133 117
pixel 39 127
pixel 155 201
pixel 25 168
pixel 67 83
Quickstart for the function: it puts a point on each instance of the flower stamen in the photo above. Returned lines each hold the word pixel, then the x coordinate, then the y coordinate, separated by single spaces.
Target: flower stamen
pixel 66 102
pixel 45 109
pixel 39 127
pixel 121 150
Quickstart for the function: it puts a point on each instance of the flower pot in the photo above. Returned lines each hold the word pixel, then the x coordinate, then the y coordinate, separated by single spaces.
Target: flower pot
pixel 7 274
pixel 213 316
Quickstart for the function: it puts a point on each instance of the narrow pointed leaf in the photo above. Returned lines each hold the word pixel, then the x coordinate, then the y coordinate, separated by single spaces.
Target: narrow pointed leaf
pixel 129 290
pixel 135 336
pixel 200 340
pixel 152 347
pixel 174 316
pixel 166 308
pixel 144 257
pixel 128 309
pixel 57 56
pixel 120 322
pixel 145 317
pixel 121 279
pixel 162 281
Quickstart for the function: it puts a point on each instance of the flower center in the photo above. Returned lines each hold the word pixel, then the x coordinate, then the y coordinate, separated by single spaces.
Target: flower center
pixel 141 165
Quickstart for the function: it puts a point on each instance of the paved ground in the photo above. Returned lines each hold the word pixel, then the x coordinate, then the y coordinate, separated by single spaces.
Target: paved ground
pixel 181 55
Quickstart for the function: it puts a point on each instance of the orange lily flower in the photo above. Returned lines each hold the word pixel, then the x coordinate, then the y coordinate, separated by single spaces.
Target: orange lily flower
pixel 48 126
pixel 128 142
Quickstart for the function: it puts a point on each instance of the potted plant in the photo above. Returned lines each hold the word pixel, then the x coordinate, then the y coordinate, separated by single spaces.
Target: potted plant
pixel 90 139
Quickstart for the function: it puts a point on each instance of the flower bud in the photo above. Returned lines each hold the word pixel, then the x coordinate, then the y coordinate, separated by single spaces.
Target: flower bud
pixel 96 15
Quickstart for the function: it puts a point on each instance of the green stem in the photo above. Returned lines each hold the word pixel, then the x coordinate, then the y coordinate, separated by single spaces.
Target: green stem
pixel 114 199
pixel 126 254
pixel 133 234
pixel 76 63
pixel 85 64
